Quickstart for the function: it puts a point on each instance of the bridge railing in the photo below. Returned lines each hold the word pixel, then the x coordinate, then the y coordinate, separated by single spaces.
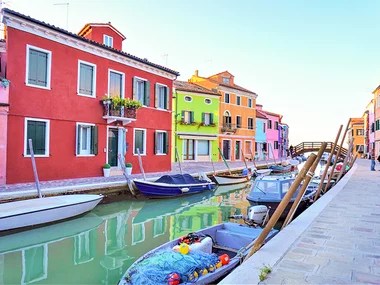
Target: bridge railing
pixel 315 146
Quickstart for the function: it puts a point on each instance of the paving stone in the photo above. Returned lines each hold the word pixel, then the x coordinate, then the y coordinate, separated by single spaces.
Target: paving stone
pixel 300 266
pixel 362 277
pixel 319 279
pixel 333 270
pixel 312 240
pixel 295 256
pixel 340 244
pixel 317 260
pixel 303 251
pixel 324 237
pixel 370 249
pixel 335 256
pixel 310 246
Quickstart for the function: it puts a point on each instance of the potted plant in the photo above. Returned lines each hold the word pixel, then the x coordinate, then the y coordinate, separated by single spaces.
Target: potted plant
pixel 4 82
pixel 106 101
pixel 106 170
pixel 116 104
pixel 130 108
pixel 128 168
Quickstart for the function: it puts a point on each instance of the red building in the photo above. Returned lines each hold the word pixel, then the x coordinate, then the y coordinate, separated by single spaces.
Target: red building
pixel 57 80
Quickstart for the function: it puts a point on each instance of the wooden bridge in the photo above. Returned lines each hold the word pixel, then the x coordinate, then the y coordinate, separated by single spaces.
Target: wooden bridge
pixel 315 146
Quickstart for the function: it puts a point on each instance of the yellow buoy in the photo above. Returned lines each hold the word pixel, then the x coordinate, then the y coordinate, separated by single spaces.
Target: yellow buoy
pixel 184 248
pixel 219 264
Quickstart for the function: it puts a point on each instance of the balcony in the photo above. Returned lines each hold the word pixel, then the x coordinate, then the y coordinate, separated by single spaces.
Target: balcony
pixel 125 115
pixel 229 128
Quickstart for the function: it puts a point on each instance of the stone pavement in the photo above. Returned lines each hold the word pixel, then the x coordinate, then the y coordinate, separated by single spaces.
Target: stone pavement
pixel 338 239
pixel 60 186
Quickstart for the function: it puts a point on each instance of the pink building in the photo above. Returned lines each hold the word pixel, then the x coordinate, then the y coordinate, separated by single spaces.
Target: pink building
pixel 4 103
pixel 272 132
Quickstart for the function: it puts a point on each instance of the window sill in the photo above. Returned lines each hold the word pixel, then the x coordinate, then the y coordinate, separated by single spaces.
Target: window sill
pixel 38 86
pixel 37 155
pixel 84 155
pixel 142 154
pixel 85 95
pixel 161 154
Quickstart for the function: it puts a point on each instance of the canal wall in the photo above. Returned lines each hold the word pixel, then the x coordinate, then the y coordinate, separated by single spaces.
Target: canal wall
pixel 333 241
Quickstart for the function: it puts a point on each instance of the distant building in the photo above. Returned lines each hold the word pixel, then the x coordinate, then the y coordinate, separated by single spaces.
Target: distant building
pixel 369 128
pixel 356 133
pixel 58 79
pixel 261 149
pixel 237 114
pixel 376 103
pixel 283 141
pixel 272 132
pixel 195 122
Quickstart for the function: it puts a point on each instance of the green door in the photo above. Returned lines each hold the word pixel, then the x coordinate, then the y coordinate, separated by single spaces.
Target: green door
pixel 112 146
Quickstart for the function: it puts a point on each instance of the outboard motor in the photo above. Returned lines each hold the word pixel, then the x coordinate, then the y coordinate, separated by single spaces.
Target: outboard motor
pixel 203 177
pixel 257 216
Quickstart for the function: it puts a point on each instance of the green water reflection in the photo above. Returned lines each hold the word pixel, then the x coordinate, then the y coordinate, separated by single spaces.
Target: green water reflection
pixel 98 247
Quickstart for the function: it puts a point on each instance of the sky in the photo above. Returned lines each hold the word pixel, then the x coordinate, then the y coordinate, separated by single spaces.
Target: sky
pixel 316 62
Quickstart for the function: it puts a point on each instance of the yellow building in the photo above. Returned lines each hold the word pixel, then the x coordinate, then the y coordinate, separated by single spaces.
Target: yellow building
pixel 237 124
pixel 356 133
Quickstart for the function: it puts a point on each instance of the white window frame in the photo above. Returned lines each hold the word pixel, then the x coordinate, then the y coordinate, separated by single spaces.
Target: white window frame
pixel 122 95
pixel 229 98
pixel 134 140
pixel 227 79
pixel 250 146
pixel 76 139
pixel 249 103
pixel 93 82
pixel 133 232
pixel 162 86
pixel 236 118
pixel 188 96
pixel 25 267
pixel 162 132
pixel 241 147
pixel 230 152
pixel 206 102
pixel 107 38
pixel 248 123
pixel 140 79
pixel 209 119
pixel 189 117
pixel 47 137
pixel 48 68
pixel 238 98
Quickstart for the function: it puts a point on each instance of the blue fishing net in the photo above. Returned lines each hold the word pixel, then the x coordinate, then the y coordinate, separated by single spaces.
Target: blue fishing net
pixel 154 269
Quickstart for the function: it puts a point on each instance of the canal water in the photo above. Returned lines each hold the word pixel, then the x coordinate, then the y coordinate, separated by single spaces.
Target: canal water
pixel 97 248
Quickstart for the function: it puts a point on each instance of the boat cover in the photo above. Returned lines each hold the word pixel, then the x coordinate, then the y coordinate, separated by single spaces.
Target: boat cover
pixel 179 179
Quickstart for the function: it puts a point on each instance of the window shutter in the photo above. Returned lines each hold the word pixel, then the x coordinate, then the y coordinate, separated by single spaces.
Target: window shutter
pixel 42 69
pixel 191 117
pixel 167 98
pixel 156 95
pixel 156 142
pixel 31 131
pixel 32 72
pixel 134 86
pixel 94 140
pixel 147 93
pixel 211 118
pixel 78 138
pixel 182 116
pixel 166 143
pixel 203 117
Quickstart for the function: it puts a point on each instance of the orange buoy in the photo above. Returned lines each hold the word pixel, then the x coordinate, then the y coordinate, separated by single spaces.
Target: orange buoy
pixel 224 258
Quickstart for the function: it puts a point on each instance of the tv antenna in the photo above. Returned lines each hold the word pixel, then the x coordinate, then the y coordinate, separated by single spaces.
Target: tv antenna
pixel 67 12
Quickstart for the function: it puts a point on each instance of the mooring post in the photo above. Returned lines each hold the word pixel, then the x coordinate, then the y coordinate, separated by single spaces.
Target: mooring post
pixel 306 182
pixel 140 163
pixel 283 204
pixel 34 168
pixel 327 164
pixel 337 156
pixel 129 182
pixel 349 151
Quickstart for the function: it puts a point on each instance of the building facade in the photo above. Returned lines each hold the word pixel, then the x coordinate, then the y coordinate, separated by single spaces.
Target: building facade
pixel 66 77
pixel 272 132
pixel 357 134
pixel 4 108
pixel 376 103
pixel 195 122
pixel 237 114
pixel 261 136
pixel 370 127
pixel 283 141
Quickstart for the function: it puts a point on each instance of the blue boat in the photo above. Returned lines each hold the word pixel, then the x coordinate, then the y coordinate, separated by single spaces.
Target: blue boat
pixel 174 186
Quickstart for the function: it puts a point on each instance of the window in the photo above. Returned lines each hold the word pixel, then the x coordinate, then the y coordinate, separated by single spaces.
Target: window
pixel 276 125
pixel 372 127
pixel 115 84
pixel 188 98
pixel 38 131
pixel 249 103
pixel 203 147
pixel 187 117
pixel 238 100
pixel 226 98
pixel 226 80
pixel 269 124
pixel 359 148
pixel 207 119
pixel 87 139
pixel 275 145
pixel 138 233
pixel 38 67
pixel 360 132
pixel 161 142
pixel 107 40
pixel 141 91
pixel 238 121
pixel 208 101
pixel 250 124
pixel 162 97
pixel 263 127
pixel 248 147
pixel 139 141
pixel 86 79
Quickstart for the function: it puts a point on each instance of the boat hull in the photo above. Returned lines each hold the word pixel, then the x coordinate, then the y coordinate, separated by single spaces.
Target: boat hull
pixel 19 214
pixel 162 190
pixel 272 206
pixel 231 179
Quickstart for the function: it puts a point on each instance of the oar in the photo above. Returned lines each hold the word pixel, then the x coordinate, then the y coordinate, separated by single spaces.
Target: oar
pixel 140 163
pixel 179 162
pixel 225 162
pixel 34 168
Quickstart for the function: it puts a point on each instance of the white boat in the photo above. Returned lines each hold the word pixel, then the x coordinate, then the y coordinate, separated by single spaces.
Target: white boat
pixel 38 211
pixel 261 172
pixel 227 179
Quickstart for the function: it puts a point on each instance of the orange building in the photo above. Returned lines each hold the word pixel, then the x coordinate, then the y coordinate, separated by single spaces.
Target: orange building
pixel 356 132
pixel 237 111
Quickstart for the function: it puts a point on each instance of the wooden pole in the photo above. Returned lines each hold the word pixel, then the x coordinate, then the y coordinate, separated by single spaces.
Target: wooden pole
pixel 179 161
pixel 34 168
pixel 283 204
pixel 305 184
pixel 346 160
pixel 129 182
pixel 141 164
pixel 253 159
pixel 213 167
pixel 271 146
pixel 337 155
pixel 356 156
pixel 242 153
pixel 225 162
pixel 327 164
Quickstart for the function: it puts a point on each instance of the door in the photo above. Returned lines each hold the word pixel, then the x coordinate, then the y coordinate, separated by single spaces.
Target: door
pixel 113 138
pixel 227 149
pixel 188 149
pixel 237 150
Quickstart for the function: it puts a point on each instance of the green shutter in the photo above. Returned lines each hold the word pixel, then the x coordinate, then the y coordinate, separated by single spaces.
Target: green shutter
pixel 156 94
pixel 86 78
pixel 94 140
pixel 203 117
pixel 37 73
pixel 211 118
pixel 36 131
pixel 155 142
pixel 134 88
pixel 31 134
pixel 167 97
pixel 78 138
pixel 166 143
pixel 147 93
pixel 191 117
pixel 182 115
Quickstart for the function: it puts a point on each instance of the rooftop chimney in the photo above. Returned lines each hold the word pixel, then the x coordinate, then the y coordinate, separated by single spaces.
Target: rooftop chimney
pixel 196 73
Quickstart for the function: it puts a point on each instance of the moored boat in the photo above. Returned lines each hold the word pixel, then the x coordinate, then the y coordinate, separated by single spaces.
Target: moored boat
pixel 38 211
pixel 227 179
pixel 282 168
pixel 174 185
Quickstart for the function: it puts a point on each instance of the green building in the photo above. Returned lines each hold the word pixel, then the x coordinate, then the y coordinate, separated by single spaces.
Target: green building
pixel 195 122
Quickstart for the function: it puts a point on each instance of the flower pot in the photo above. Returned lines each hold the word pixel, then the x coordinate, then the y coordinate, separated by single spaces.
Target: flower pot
pixel 106 172
pixel 114 112
pixel 128 170
pixel 130 113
